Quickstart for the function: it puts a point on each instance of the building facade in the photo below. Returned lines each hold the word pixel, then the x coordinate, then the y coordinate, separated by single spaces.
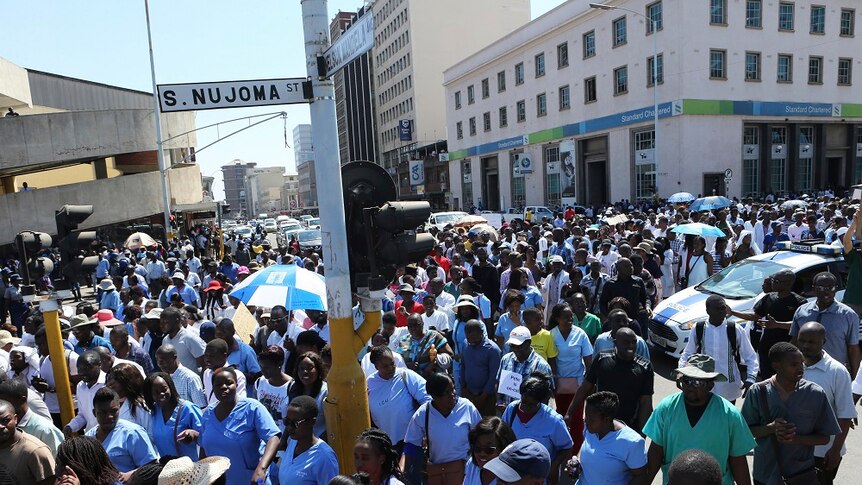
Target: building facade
pixel 412 49
pixel 303 149
pixel 354 98
pixel 562 110
pixel 263 189
pixel 290 200
pixel 235 194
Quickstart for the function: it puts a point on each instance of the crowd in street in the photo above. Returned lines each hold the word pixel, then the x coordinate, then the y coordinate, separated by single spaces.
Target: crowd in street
pixel 514 357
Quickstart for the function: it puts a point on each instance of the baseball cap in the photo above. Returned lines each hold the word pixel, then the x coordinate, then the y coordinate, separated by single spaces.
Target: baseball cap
pixel 519 335
pixel 523 458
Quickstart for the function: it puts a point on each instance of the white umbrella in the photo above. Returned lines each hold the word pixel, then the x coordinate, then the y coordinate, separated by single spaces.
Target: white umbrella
pixel 139 240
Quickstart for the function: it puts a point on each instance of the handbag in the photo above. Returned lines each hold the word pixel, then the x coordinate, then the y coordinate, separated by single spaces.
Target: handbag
pixel 805 477
pixel 440 473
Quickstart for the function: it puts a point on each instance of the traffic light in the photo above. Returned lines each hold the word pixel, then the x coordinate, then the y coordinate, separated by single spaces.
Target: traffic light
pixel 381 232
pixel 72 242
pixel 30 243
pixel 225 208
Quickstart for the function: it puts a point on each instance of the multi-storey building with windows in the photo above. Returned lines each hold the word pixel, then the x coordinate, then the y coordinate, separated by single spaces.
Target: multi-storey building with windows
pixel 764 88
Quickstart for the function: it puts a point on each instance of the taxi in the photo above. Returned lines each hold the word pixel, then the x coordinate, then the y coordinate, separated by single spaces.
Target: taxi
pixel 741 285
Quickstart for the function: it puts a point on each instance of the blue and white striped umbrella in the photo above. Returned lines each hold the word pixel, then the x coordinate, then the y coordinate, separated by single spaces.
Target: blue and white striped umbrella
pixel 283 284
pixel 681 198
pixel 710 203
pixel 699 229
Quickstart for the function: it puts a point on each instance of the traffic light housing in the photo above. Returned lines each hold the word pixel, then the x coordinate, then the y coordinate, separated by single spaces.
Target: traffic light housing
pixel 29 243
pixel 72 242
pixel 381 232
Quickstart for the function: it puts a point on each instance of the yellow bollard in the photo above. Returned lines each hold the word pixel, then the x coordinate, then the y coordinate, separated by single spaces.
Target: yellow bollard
pixel 57 352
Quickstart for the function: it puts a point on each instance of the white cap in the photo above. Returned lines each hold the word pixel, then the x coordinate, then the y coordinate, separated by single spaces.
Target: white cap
pixel 519 335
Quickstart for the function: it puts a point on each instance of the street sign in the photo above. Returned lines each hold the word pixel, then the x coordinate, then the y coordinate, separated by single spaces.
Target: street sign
pixel 354 42
pixel 233 94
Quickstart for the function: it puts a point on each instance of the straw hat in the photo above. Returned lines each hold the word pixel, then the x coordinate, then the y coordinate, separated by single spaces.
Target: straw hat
pixel 182 471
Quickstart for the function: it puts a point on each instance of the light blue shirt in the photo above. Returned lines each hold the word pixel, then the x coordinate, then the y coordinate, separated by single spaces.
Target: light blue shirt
pixel 473 474
pixel 314 466
pixel 546 426
pixel 607 461
pixel 110 301
pixel 243 358
pixel 187 293
pixel 604 343
pixel 505 325
pixel 448 435
pixel 570 361
pixel 392 402
pixel 165 432
pixel 532 297
pixel 127 445
pixel 241 436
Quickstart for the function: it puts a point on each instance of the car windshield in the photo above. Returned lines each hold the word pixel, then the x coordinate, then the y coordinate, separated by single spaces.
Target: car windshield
pixel 306 236
pixel 447 218
pixel 291 227
pixel 741 280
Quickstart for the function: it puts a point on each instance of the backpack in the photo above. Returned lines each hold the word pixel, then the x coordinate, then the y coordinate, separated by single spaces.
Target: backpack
pixel 734 346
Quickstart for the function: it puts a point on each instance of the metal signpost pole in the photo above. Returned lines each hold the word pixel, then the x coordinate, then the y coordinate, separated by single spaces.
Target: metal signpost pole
pixel 346 407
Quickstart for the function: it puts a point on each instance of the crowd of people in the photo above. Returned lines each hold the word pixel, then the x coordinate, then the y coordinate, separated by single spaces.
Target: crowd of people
pixel 518 357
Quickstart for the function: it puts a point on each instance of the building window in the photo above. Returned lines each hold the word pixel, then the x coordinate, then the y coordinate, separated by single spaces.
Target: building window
pixel 521 108
pixel 785 68
pixel 752 66
pixel 553 188
pixel 562 55
pixel 620 32
pixel 621 80
pixel 590 44
pixel 457 99
pixel 541 104
pixel 501 81
pixel 848 22
pixel 486 121
pixel 504 117
pixel 815 70
pixel 565 99
pixel 459 130
pixel 471 94
pixel 750 161
pixel 818 19
pixel 519 74
pixel 654 14
pixel 519 192
pixel 845 71
pixel 804 165
pixel 754 14
pixel 590 90
pixel 466 185
pixel 486 88
pixel 473 126
pixel 778 161
pixel 785 16
pixel 645 176
pixel 717 64
pixel 540 64
pixel 651 70
pixel 718 12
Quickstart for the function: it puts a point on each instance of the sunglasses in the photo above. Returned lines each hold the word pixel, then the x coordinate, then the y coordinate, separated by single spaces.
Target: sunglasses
pixel 692 382
pixel 486 450
pixel 290 423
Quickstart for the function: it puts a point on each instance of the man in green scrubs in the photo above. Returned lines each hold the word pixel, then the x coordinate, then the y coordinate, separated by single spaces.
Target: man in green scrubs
pixel 698 419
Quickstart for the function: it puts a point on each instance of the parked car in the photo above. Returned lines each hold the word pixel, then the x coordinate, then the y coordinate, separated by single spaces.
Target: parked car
pixel 443 219
pixel 269 225
pixel 741 286
pixel 313 223
pixel 537 212
pixel 310 239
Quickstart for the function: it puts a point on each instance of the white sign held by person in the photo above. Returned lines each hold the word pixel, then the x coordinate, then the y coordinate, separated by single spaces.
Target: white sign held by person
pixel 510 384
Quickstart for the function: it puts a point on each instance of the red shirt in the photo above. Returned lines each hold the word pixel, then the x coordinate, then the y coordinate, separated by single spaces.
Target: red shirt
pixel 570 214
pixel 443 262
pixel 411 306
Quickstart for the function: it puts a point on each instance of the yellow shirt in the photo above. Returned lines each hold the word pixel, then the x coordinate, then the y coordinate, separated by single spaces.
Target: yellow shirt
pixel 543 343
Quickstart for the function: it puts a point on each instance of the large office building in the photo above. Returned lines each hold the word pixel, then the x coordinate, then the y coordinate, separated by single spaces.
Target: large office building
pixel 235 193
pixel 303 150
pixel 263 189
pixel 562 110
pixel 414 42
pixel 354 97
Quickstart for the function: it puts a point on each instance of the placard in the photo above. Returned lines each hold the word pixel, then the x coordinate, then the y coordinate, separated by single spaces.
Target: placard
pixel 510 384
pixel 244 322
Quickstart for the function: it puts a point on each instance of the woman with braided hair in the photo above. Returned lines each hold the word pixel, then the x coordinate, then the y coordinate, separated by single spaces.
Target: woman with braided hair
pixel 373 454
pixel 81 459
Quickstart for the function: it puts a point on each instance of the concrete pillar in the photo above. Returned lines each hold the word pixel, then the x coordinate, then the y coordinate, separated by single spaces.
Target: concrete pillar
pixel 100 168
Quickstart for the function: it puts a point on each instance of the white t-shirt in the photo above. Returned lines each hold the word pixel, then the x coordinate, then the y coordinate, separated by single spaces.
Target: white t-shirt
pixel 273 398
pixel 438 320
pixel 46 371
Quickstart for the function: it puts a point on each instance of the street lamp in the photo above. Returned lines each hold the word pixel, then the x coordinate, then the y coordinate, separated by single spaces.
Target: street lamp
pixel 654 22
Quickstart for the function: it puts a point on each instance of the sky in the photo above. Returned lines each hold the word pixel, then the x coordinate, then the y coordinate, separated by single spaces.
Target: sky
pixel 193 41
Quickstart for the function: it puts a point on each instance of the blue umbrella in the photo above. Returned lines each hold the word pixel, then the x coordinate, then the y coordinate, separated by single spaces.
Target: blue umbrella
pixel 710 203
pixel 699 229
pixel 283 284
pixel 681 198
